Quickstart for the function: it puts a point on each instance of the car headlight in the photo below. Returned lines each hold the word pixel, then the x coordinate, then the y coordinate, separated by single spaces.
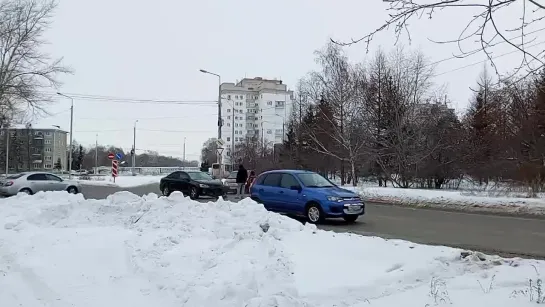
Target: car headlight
pixel 334 198
pixel 203 186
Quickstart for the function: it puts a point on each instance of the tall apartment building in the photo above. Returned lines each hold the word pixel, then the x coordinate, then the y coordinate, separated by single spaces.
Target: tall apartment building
pixel 39 148
pixel 251 108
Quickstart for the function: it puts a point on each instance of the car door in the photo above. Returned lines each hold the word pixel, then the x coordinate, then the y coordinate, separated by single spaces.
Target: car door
pixel 54 183
pixel 170 181
pixel 184 183
pixel 289 199
pixel 37 182
pixel 268 191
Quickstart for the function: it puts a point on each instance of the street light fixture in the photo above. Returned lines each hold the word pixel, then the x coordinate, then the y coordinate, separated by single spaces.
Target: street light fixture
pixel 71 134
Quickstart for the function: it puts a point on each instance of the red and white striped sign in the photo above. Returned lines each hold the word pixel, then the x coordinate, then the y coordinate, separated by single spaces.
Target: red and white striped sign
pixel 115 165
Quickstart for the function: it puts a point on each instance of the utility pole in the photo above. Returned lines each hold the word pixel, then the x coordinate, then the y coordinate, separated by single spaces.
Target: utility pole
pixel 71 133
pixel 183 159
pixel 134 148
pixel 7 151
pixel 233 141
pixel 96 154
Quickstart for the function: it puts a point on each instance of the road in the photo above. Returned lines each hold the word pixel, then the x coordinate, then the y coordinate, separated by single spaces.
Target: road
pixel 502 235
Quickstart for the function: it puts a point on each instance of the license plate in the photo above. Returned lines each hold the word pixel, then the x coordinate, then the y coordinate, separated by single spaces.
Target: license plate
pixel 354 208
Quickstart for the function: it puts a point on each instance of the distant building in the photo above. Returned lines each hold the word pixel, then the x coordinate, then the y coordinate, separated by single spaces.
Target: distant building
pixel 33 148
pixel 254 108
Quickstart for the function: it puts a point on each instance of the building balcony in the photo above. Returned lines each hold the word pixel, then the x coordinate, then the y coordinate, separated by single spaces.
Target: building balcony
pixel 251 118
pixel 37 161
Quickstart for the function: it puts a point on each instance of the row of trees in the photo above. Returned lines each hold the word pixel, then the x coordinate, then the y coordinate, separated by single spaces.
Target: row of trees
pixel 386 118
pixel 84 158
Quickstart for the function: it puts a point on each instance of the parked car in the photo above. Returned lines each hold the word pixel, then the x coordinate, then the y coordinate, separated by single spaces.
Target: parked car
pixel 32 182
pixel 305 193
pixel 231 182
pixel 192 183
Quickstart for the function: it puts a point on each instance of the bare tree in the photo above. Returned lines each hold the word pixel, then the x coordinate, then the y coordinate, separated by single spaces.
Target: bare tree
pixel 25 70
pixel 336 132
pixel 482 25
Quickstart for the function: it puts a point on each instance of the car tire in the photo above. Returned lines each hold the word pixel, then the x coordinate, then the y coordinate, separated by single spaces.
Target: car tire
pixel 350 218
pixel 72 190
pixel 166 191
pixel 314 213
pixel 27 191
pixel 193 193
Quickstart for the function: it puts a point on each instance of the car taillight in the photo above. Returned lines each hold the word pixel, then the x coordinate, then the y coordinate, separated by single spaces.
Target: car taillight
pixel 9 183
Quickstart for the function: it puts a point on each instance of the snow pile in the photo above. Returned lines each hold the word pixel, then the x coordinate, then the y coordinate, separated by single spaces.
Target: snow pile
pixel 121 181
pixel 58 249
pixel 460 200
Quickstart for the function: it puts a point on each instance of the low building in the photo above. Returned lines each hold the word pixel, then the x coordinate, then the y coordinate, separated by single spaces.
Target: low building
pixel 31 148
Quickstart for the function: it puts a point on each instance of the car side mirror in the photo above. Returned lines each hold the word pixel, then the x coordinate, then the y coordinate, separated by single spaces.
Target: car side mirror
pixel 295 188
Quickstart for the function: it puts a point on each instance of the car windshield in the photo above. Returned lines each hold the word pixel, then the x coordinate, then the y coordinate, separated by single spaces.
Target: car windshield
pixel 313 180
pixel 16 176
pixel 200 176
pixel 233 175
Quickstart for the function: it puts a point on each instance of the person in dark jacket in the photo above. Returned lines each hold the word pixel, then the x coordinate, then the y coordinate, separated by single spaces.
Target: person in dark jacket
pixel 242 176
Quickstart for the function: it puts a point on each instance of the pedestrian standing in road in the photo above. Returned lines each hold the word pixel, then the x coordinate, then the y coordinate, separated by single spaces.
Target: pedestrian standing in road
pixel 242 176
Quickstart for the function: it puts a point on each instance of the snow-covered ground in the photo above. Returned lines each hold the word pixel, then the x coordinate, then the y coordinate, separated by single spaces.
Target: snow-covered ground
pixel 121 181
pixel 496 200
pixel 58 249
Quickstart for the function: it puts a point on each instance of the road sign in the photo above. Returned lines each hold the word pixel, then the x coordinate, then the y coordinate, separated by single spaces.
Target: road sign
pixel 115 166
pixel 119 156
pixel 111 156
pixel 219 150
pixel 220 142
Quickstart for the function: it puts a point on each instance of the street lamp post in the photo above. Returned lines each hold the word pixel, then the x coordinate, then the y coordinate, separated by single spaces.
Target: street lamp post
pixel 218 155
pixel 71 133
pixel 134 148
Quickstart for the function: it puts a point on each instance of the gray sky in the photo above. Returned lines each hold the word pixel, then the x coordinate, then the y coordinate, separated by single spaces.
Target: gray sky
pixel 154 49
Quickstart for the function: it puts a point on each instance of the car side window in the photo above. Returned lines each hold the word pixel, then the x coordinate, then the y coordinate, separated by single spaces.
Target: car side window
pixel 184 176
pixel 288 181
pixel 175 175
pixel 272 180
pixel 37 177
pixel 52 178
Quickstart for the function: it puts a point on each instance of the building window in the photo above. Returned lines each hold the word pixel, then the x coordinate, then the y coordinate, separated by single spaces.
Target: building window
pixel 228 117
pixel 48 133
pixel 228 96
pixel 269 131
pixel 48 158
pixel 279 104
pixel 48 142
pixel 228 110
pixel 47 149
pixel 36 165
pixel 48 166
pixel 269 103
pixel 228 140
pixel 228 124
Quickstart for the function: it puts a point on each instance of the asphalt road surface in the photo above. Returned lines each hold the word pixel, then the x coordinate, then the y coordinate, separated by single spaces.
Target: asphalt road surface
pixel 502 235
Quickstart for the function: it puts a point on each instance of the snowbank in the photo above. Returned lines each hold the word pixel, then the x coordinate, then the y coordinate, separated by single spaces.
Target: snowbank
pixel 121 181
pixel 459 200
pixel 58 249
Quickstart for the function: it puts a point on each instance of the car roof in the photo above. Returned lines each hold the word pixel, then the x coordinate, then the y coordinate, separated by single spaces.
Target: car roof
pixel 288 171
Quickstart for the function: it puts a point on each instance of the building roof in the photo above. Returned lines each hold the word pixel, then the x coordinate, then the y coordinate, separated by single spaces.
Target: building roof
pixel 44 128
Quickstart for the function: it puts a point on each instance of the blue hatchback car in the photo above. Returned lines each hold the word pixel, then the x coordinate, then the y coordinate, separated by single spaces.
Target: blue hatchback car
pixel 308 194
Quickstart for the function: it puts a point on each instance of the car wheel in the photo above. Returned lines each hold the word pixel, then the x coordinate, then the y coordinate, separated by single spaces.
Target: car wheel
pixel 314 213
pixel 350 218
pixel 26 191
pixel 166 191
pixel 72 190
pixel 194 193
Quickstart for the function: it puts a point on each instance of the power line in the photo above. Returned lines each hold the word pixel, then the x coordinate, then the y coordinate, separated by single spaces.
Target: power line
pixel 484 61
pixel 101 98
pixel 149 130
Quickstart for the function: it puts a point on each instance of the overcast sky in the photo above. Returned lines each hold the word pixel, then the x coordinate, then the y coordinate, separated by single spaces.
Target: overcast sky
pixel 154 50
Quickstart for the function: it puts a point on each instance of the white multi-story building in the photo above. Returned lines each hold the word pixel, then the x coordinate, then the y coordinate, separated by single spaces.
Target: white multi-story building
pixel 251 108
